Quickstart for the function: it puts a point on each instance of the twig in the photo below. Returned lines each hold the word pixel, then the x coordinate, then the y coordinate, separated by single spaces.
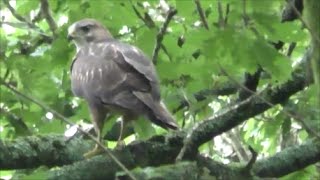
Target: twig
pixel 164 49
pixel 147 21
pixel 227 14
pixel 19 25
pixel 253 159
pixel 235 138
pixel 47 15
pixel 292 45
pixel 305 24
pixel 22 19
pixel 60 116
pixel 244 12
pixel 17 122
pixel 252 106
pixel 160 35
pixel 203 94
pixel 18 16
pixel 37 17
pixel 26 49
pixel 189 145
pixel 291 48
pixel 137 12
pixel 286 112
pixel 288 14
pixel 221 20
pixel 201 14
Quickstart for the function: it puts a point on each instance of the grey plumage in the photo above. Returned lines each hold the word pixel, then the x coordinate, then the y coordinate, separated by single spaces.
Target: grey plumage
pixel 114 77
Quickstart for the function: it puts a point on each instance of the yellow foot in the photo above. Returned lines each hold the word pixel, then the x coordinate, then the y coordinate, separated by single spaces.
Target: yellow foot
pixel 96 151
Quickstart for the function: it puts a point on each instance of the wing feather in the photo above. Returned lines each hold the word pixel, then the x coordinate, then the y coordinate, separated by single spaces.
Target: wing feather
pixel 135 61
pixel 113 74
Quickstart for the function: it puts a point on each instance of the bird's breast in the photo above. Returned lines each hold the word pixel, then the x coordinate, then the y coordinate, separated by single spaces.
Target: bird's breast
pixel 94 76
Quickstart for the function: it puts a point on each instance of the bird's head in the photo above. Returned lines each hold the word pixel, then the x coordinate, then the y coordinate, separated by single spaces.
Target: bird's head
pixel 87 30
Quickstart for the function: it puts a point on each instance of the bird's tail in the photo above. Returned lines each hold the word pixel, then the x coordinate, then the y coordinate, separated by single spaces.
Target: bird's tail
pixel 158 113
pixel 161 116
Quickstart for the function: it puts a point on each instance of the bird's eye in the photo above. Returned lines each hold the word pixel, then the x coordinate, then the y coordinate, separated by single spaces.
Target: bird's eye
pixel 85 28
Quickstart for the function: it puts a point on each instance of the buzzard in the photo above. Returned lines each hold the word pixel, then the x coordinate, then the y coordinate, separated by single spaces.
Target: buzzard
pixel 114 77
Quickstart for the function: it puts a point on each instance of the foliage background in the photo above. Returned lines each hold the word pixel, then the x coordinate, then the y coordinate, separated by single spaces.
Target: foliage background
pixel 35 59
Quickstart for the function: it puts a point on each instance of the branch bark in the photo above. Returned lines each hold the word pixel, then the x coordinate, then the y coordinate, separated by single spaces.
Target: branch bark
pixel 47 15
pixel 289 160
pixel 201 14
pixel 51 150
pixel 160 35
pixel 33 151
pixel 206 130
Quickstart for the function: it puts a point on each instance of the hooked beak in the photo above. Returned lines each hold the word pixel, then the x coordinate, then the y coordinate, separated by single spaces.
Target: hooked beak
pixel 71 32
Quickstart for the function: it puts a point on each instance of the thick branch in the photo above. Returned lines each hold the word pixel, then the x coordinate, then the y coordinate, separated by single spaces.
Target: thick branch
pixel 32 151
pixel 221 171
pixel 63 118
pixel 18 124
pixel 289 160
pixel 253 106
pixel 202 168
pixel 147 20
pixel 182 170
pixel 154 152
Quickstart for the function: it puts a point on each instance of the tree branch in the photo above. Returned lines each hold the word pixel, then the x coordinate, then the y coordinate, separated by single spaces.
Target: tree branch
pixel 182 170
pixel 207 129
pixel 204 94
pixel 154 152
pixel 57 151
pixel 18 124
pixel 28 48
pixel 289 160
pixel 201 14
pixel 60 116
pixel 253 159
pixel 288 13
pixel 147 20
pixel 33 151
pixel 47 15
pixel 235 141
pixel 160 35
pixel 18 16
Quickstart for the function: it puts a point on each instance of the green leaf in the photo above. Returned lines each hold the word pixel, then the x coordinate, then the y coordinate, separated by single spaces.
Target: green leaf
pixel 51 126
pixel 145 40
pixel 273 62
pixel 24 7
pixel 143 128
pixel 187 9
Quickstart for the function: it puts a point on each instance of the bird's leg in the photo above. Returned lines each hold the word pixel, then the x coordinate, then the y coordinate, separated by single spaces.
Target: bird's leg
pixel 98 115
pixel 120 142
pixel 123 125
pixel 121 131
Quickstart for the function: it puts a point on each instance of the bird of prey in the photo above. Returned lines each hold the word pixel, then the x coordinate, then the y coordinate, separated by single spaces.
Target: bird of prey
pixel 114 77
